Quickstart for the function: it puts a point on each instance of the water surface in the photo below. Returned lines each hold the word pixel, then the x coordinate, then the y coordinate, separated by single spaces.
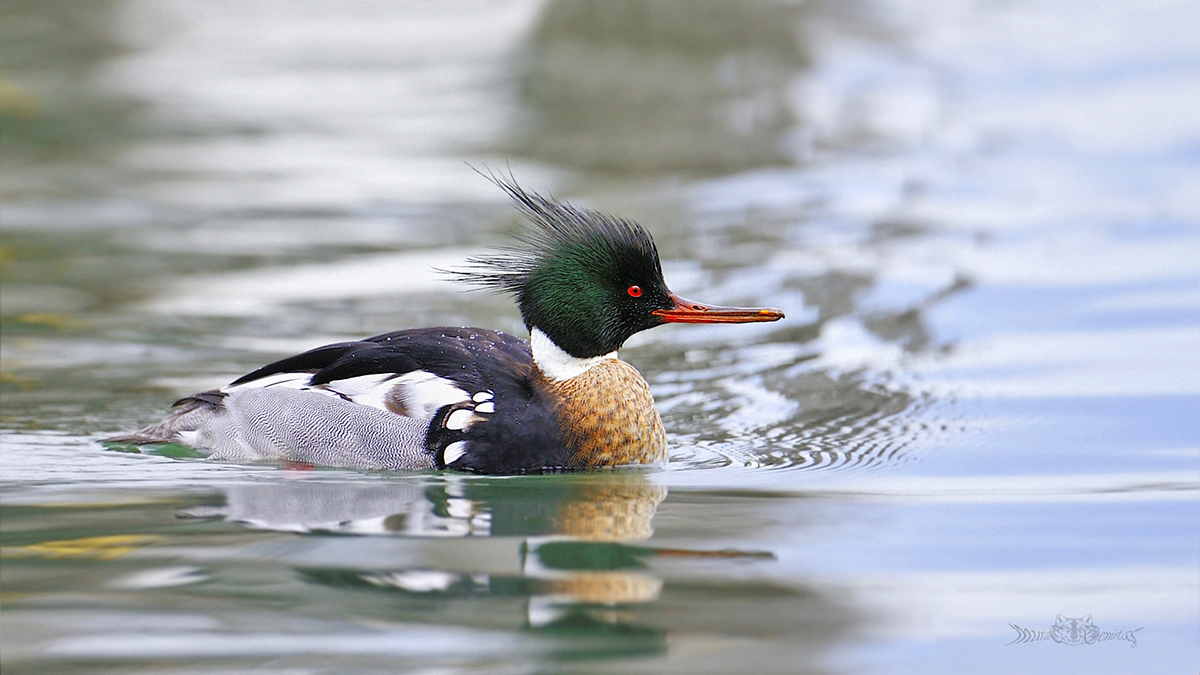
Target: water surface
pixel 980 412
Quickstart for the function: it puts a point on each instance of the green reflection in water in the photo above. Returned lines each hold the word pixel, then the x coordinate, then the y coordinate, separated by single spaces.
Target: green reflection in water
pixel 652 85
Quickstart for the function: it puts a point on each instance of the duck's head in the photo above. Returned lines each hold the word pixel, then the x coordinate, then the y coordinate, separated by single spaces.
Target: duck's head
pixel 588 281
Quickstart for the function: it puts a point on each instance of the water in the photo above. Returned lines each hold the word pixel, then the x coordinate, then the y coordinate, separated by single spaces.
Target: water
pixel 980 413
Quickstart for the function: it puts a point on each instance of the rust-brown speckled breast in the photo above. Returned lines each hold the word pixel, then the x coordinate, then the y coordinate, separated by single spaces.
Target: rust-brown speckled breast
pixel 608 416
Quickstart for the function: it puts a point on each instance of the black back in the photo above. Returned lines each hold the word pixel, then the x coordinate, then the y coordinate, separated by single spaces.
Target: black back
pixel 521 436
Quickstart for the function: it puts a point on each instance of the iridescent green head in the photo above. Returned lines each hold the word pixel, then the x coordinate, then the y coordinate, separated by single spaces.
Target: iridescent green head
pixel 588 280
pixel 585 279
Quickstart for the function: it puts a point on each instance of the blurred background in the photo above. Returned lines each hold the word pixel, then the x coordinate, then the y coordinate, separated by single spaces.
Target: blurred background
pixel 981 219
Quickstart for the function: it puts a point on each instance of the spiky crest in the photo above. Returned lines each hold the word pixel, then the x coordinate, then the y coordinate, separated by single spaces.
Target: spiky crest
pixel 571 273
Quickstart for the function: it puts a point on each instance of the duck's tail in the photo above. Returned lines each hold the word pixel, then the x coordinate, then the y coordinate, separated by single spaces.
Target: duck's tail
pixel 191 413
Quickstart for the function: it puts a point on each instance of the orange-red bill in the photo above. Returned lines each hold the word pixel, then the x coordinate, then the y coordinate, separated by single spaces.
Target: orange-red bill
pixel 687 311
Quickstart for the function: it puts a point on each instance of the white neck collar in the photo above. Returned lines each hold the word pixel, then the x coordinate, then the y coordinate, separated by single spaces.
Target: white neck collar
pixel 555 363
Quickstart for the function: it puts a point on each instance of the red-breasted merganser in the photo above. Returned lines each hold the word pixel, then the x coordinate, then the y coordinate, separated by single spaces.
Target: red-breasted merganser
pixel 468 398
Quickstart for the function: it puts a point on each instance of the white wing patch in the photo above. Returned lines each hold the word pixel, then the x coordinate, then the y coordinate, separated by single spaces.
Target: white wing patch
pixel 369 390
pixel 288 380
pixel 422 394
pixel 418 394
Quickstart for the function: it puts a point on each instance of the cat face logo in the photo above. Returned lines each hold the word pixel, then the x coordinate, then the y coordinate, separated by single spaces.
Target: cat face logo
pixel 1074 632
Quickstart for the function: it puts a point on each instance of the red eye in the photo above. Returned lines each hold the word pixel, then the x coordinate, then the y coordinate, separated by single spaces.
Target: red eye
pixel 635 291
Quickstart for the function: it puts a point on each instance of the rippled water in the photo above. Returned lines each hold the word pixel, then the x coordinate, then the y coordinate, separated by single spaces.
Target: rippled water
pixel 979 415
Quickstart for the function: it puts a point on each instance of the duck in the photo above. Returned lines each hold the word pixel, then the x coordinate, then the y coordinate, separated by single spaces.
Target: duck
pixel 472 399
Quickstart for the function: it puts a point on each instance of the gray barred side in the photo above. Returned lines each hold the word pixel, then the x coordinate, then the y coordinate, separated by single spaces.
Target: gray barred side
pixel 283 424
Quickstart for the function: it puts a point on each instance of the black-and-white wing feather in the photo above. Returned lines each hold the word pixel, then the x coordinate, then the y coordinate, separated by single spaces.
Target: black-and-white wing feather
pixel 413 373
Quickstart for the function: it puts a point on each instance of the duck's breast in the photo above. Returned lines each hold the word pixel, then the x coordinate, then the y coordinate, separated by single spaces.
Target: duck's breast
pixel 607 416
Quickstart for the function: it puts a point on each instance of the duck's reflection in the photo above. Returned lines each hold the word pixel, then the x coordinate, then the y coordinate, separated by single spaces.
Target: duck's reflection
pixel 569 557
pixel 560 541
pixel 608 506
